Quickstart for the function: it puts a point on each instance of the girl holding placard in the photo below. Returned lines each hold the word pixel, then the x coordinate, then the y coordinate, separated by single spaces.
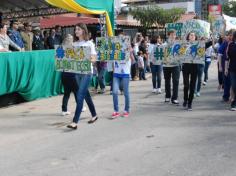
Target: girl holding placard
pixel 83 80
pixel 190 76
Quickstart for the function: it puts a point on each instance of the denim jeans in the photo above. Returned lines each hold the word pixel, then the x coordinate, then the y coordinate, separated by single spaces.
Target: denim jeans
pixel 117 82
pixel 206 68
pixel 227 85
pixel 141 74
pixel 156 76
pixel 233 84
pixel 101 78
pixel 189 71
pixel 83 82
pixel 69 84
pixel 200 69
pixel 173 72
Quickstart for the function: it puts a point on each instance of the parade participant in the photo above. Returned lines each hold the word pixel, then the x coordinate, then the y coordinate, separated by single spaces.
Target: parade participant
pixel 203 68
pixel 68 81
pixel 171 71
pixel 121 77
pixel 222 57
pixel 210 53
pixel 155 67
pixel 220 74
pixel 230 68
pixel 83 80
pixel 15 35
pixel 5 41
pixel 27 36
pixel 190 76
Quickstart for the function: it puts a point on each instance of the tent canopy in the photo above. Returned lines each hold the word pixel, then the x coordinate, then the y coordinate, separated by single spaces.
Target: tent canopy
pixel 27 8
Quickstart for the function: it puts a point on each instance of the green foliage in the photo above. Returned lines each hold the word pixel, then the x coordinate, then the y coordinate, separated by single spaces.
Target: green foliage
pixel 230 8
pixel 155 15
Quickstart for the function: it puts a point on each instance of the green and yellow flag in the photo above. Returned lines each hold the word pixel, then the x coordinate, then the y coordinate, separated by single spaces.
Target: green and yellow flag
pixel 89 7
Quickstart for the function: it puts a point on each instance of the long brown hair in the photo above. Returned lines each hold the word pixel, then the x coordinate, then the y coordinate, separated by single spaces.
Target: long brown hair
pixel 85 31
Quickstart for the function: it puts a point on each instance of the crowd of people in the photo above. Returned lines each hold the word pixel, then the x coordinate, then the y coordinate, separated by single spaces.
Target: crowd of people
pixel 141 61
pixel 23 37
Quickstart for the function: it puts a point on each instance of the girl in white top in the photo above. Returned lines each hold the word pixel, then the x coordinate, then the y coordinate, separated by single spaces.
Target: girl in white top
pixel 83 80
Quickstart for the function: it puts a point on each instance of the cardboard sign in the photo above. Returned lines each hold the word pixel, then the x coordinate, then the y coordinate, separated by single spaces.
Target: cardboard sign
pixel 175 26
pixel 199 27
pixel 113 48
pixel 192 52
pixel 73 59
pixel 172 54
pixel 218 27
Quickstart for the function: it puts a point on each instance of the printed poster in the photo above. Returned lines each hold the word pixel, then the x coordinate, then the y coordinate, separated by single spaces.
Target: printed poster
pixel 113 48
pixel 73 59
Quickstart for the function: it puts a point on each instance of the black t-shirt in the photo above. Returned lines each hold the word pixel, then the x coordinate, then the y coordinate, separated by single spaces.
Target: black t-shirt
pixel 232 57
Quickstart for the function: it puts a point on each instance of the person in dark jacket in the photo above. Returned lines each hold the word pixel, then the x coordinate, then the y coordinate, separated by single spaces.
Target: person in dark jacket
pixel 230 68
pixel 38 42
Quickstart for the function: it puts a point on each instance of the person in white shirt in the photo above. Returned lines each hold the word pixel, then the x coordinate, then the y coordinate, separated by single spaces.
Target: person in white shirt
pixel 141 65
pixel 121 78
pixel 83 80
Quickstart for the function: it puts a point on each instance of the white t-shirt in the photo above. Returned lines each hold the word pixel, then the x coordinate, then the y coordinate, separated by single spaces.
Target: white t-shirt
pixel 87 43
pixel 122 69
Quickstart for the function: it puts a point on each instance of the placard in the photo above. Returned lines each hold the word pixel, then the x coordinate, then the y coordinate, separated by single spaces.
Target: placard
pixel 73 59
pixel 113 48
pixel 175 26
pixel 171 54
pixel 199 27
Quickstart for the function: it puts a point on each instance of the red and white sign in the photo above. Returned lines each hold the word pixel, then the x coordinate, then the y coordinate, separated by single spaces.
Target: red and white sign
pixel 215 10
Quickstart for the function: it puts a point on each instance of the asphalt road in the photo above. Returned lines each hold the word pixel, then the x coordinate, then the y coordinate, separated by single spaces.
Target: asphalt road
pixel 158 139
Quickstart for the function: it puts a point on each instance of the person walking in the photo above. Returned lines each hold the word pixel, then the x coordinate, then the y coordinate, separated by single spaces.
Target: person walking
pixel 230 69
pixel 190 71
pixel 171 72
pixel 83 80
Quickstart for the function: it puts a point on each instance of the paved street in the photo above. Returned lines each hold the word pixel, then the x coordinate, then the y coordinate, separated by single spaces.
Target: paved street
pixel 157 139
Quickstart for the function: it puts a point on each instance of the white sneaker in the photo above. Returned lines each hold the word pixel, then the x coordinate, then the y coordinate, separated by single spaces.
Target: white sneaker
pixel 204 83
pixel 64 113
pixel 198 94
pixel 84 109
pixel 154 91
pixel 167 100
pixel 159 90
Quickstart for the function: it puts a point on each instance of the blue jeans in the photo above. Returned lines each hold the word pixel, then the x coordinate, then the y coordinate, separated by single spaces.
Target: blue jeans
pixel 200 69
pixel 156 76
pixel 117 82
pixel 206 68
pixel 227 86
pixel 233 84
pixel 83 82
pixel 101 78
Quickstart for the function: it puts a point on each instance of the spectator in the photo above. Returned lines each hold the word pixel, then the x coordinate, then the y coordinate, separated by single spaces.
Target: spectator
pixel 5 41
pixel 51 39
pixel 27 36
pixel 38 42
pixel 15 36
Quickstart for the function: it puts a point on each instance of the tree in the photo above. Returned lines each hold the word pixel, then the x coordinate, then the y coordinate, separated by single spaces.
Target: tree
pixel 155 15
pixel 230 8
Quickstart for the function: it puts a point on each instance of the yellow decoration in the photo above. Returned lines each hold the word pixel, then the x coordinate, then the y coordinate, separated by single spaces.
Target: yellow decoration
pixel 71 5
